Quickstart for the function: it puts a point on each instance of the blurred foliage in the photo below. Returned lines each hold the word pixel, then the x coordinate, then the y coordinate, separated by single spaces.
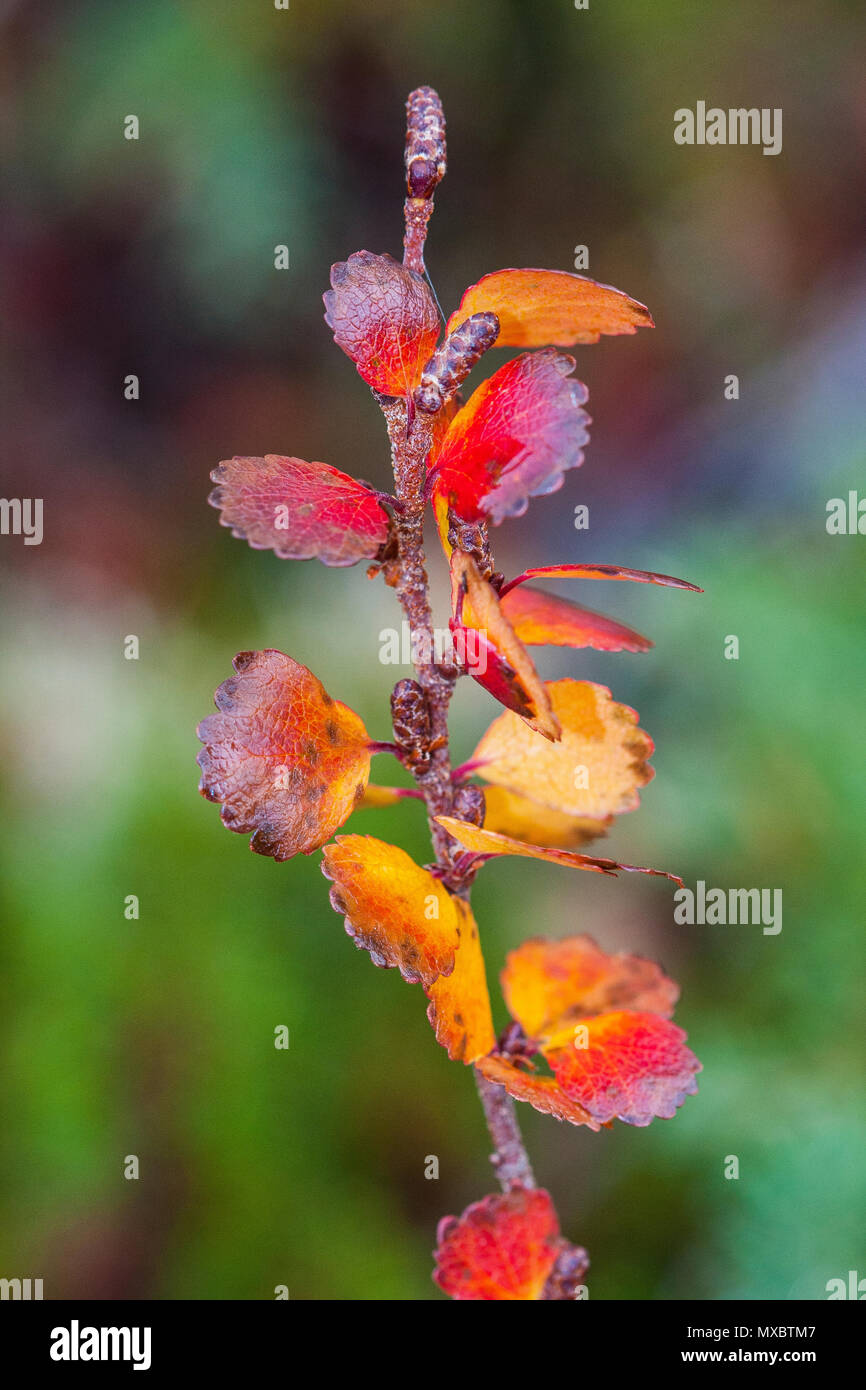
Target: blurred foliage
pixel 155 1037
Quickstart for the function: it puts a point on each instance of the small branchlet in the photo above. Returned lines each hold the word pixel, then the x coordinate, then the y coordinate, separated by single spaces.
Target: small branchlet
pixel 425 159
pixel 451 363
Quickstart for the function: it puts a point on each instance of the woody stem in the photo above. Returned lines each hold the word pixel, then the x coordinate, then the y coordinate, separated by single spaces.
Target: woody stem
pixel 510 1159
pixel 409 452
pixel 409 455
pixel 417 212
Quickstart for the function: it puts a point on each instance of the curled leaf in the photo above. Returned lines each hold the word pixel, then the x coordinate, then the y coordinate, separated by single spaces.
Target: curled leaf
pixel 549 985
pixel 502 1248
pixel 460 1003
pixel 536 307
pixel 595 770
pixel 541 619
pixel 486 644
pixel 598 572
pixel 384 317
pixel 287 761
pixel 490 845
pixel 299 510
pixel 518 434
pixel 393 908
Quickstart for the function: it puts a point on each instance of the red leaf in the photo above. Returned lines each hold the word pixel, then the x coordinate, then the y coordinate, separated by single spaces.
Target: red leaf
pixel 486 645
pixel 535 307
pixel 634 1067
pixel 541 619
pixel 286 760
pixel 299 509
pixel 514 439
pixel 501 1249
pixel 597 572
pixel 601 1023
pixel 384 317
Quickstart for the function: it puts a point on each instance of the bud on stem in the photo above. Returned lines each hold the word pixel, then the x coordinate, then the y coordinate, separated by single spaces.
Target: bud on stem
pixel 425 157
pixel 425 142
pixel 410 715
pixel 453 361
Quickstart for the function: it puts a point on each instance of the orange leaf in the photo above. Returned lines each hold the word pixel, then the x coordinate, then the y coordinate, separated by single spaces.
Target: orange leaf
pixel 634 1067
pixel 501 1249
pixel 550 985
pixel 384 317
pixel 394 909
pixel 299 509
pixel 543 1093
pixel 535 307
pixel 517 435
pixel 595 770
pixel 541 619
pixel 459 1003
pixel 598 572
pixel 485 643
pixel 508 813
pixel 492 845
pixel 286 760
pixel 601 1022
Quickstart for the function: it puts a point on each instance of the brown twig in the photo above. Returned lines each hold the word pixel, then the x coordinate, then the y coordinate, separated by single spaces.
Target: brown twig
pixel 410 433
pixel 510 1159
pixel 409 450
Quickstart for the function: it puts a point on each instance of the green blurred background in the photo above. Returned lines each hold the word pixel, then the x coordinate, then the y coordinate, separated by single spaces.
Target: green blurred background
pixel 154 1037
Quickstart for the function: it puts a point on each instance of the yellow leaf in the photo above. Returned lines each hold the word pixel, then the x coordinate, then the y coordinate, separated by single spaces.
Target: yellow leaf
pixel 595 770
